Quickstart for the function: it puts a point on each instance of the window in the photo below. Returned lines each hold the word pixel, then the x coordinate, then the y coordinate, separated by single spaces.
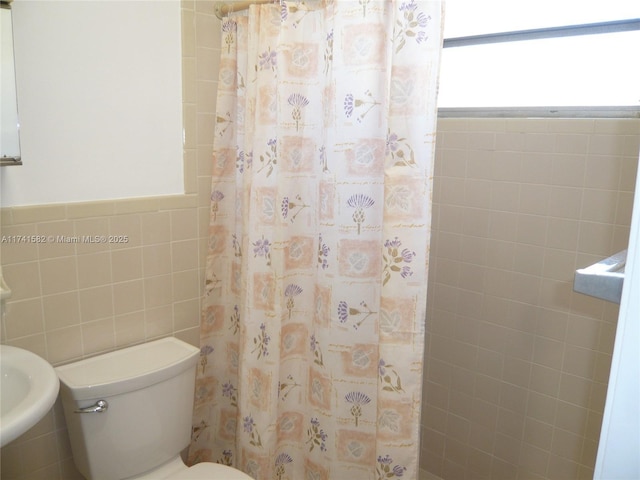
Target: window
pixel 504 54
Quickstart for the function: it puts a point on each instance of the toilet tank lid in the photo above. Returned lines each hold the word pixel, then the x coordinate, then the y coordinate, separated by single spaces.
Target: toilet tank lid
pixel 126 370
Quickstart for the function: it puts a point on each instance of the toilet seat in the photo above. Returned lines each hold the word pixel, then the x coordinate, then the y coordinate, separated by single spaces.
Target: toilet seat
pixel 210 471
pixel 175 469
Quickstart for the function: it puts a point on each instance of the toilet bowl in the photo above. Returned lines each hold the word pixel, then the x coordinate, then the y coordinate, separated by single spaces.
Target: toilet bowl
pixel 128 414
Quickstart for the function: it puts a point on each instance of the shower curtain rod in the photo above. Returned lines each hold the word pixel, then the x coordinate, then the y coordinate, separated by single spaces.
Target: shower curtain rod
pixel 225 8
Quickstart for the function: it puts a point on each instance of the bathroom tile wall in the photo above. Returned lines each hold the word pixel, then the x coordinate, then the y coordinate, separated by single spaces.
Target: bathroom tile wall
pixel 73 300
pixel 517 364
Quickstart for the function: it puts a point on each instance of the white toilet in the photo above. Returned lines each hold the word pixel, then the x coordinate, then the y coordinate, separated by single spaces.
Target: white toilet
pixel 129 414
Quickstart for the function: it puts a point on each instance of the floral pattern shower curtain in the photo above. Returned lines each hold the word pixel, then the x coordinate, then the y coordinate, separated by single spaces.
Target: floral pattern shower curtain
pixel 313 320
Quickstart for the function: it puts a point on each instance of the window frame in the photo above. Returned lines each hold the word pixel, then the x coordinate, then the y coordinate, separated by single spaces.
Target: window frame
pixel 625 25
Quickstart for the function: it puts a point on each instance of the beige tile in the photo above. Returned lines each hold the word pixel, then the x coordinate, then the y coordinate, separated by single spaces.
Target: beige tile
pixel 64 345
pixel 599 205
pixel 34 343
pixel 572 418
pixel 595 238
pixel 96 229
pixel 40 451
pixel 156 259
pixel 128 297
pixel 538 434
pixel 23 318
pixel 605 145
pixel 579 361
pixel 532 229
pixel 23 280
pixel 38 213
pixel 16 246
pixel 158 291
pixel 529 259
pixel 155 228
pixel 545 380
pixel 603 172
pixel 126 264
pixel 98 336
pixel 186 285
pixel 565 202
pixel 533 462
pixel 186 314
pixel 96 303
pixel 562 234
pixel 158 321
pixel 90 209
pixel 559 264
pixel 94 269
pixel 548 352
pixel 188 34
pixel 534 199
pixel 129 329
pixel 568 170
pixel 61 310
pixel 59 275
pixel 566 444
pixel 505 196
pixel 126 226
pixel 477 193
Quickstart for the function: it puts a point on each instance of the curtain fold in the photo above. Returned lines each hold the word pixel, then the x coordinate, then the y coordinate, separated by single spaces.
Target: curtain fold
pixel 312 331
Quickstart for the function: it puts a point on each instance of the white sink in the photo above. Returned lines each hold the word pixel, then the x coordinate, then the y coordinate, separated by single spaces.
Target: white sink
pixel 28 389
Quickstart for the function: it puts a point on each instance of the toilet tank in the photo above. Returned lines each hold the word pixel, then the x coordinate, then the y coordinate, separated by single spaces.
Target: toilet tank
pixel 149 391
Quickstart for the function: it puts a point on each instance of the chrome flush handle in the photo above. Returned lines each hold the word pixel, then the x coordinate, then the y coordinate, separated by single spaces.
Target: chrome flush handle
pixel 98 407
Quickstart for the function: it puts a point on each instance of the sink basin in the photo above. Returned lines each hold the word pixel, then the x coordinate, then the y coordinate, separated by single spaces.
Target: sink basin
pixel 28 389
pixel 604 279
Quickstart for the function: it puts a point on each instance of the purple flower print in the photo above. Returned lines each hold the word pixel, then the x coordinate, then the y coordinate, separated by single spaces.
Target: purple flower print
pixel 412 21
pixel 348 105
pixel 298 102
pixel 317 353
pixel 343 311
pixel 226 459
pixel 229 28
pixel 384 469
pixel 393 257
pixel 285 388
pixel 399 151
pixel 248 424
pixel 262 248
pixel 316 436
pixel 389 377
pixel 229 391
pixel 205 351
pixel 360 202
pixel 268 59
pixel 281 461
pixel 268 159
pixel 351 103
pixel 261 342
pixel 291 291
pixel 249 427
pixel 358 400
pixel 323 254
pixel 287 206
pixel 216 197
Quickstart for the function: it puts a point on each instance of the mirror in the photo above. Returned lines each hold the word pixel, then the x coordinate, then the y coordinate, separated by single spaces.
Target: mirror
pixel 9 125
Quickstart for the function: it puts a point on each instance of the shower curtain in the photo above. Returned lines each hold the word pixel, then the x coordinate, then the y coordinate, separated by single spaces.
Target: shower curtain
pixel 312 331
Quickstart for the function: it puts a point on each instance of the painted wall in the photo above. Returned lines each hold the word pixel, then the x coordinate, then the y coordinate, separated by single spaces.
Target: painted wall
pixel 99 96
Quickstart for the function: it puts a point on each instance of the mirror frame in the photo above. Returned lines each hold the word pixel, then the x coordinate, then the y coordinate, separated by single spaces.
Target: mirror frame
pixel 6 160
